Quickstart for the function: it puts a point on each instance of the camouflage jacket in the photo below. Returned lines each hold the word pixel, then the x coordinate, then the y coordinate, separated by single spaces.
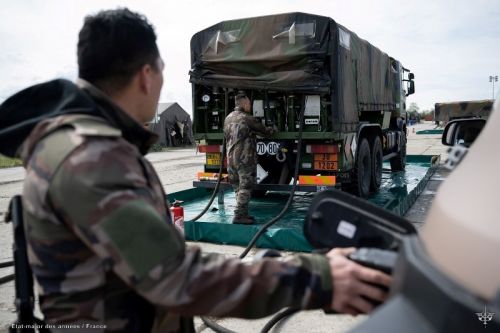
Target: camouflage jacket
pixel 240 131
pixel 105 254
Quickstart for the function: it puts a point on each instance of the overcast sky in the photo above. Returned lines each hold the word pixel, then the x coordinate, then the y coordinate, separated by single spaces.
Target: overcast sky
pixel 452 46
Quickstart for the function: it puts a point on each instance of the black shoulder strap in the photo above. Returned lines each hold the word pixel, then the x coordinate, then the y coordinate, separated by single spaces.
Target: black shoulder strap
pixel 26 321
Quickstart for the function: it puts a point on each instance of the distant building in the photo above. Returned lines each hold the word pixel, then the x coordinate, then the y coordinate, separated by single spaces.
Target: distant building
pixel 173 124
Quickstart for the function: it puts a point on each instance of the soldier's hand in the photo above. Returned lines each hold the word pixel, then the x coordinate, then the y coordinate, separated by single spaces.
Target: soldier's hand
pixel 354 284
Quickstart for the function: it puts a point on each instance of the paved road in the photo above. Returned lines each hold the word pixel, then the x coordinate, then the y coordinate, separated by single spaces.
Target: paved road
pixel 9 175
pixel 177 169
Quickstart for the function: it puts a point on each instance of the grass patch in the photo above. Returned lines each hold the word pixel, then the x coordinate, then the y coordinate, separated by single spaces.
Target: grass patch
pixel 157 147
pixel 6 162
pixel 160 147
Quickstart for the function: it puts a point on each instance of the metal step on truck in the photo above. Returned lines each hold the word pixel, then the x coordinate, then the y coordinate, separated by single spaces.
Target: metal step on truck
pixel 318 84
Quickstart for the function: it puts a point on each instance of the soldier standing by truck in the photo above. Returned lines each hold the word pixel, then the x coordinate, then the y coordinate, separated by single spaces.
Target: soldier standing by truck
pixel 240 129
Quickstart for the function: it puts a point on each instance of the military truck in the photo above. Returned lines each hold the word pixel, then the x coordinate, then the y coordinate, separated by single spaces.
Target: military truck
pixel 310 78
pixel 445 112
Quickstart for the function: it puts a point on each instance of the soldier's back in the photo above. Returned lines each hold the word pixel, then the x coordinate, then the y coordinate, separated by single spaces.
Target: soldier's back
pixel 74 283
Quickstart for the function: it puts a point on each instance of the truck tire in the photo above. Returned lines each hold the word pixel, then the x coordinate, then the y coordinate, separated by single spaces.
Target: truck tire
pixel 377 160
pixel 362 170
pixel 398 162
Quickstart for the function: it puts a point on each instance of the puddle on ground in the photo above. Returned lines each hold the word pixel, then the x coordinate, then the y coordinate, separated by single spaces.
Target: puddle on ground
pixel 395 186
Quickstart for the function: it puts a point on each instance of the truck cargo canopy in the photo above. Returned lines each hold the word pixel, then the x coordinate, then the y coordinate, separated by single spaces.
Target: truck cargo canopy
pixel 285 52
pixel 297 52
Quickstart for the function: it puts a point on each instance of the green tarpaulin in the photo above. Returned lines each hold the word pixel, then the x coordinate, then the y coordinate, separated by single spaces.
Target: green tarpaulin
pixel 397 193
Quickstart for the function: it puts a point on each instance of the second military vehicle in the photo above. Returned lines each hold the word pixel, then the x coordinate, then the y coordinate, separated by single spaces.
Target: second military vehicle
pixel 310 78
pixel 445 112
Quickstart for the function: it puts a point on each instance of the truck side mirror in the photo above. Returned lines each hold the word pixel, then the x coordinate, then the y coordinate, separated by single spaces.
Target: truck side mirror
pixel 411 87
pixel 462 131
pixel 338 219
pixel 449 133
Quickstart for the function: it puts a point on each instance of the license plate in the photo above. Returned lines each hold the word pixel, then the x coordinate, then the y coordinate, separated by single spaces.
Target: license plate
pixel 213 158
pixel 326 157
pixel 325 165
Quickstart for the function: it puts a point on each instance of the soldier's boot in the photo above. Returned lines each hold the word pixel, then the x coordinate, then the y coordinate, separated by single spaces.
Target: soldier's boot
pixel 243 220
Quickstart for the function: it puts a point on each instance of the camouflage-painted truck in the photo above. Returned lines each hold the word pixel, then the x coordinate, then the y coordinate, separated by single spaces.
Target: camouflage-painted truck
pixel 444 112
pixel 350 95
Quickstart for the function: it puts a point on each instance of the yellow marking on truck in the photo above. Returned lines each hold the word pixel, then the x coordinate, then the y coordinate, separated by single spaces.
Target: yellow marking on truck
pixel 213 158
pixel 210 176
pixel 317 180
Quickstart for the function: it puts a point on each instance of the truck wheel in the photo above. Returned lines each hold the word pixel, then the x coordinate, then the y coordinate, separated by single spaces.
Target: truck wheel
pixel 398 162
pixel 362 170
pixel 377 159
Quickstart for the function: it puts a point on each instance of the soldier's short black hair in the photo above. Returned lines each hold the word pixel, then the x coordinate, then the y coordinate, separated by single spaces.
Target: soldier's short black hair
pixel 113 45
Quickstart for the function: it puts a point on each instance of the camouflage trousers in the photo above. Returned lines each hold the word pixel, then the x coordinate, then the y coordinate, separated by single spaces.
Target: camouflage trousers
pixel 243 178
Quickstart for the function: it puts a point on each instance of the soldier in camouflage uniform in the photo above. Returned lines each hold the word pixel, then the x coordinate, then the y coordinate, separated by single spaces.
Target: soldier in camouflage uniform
pixel 101 243
pixel 240 129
